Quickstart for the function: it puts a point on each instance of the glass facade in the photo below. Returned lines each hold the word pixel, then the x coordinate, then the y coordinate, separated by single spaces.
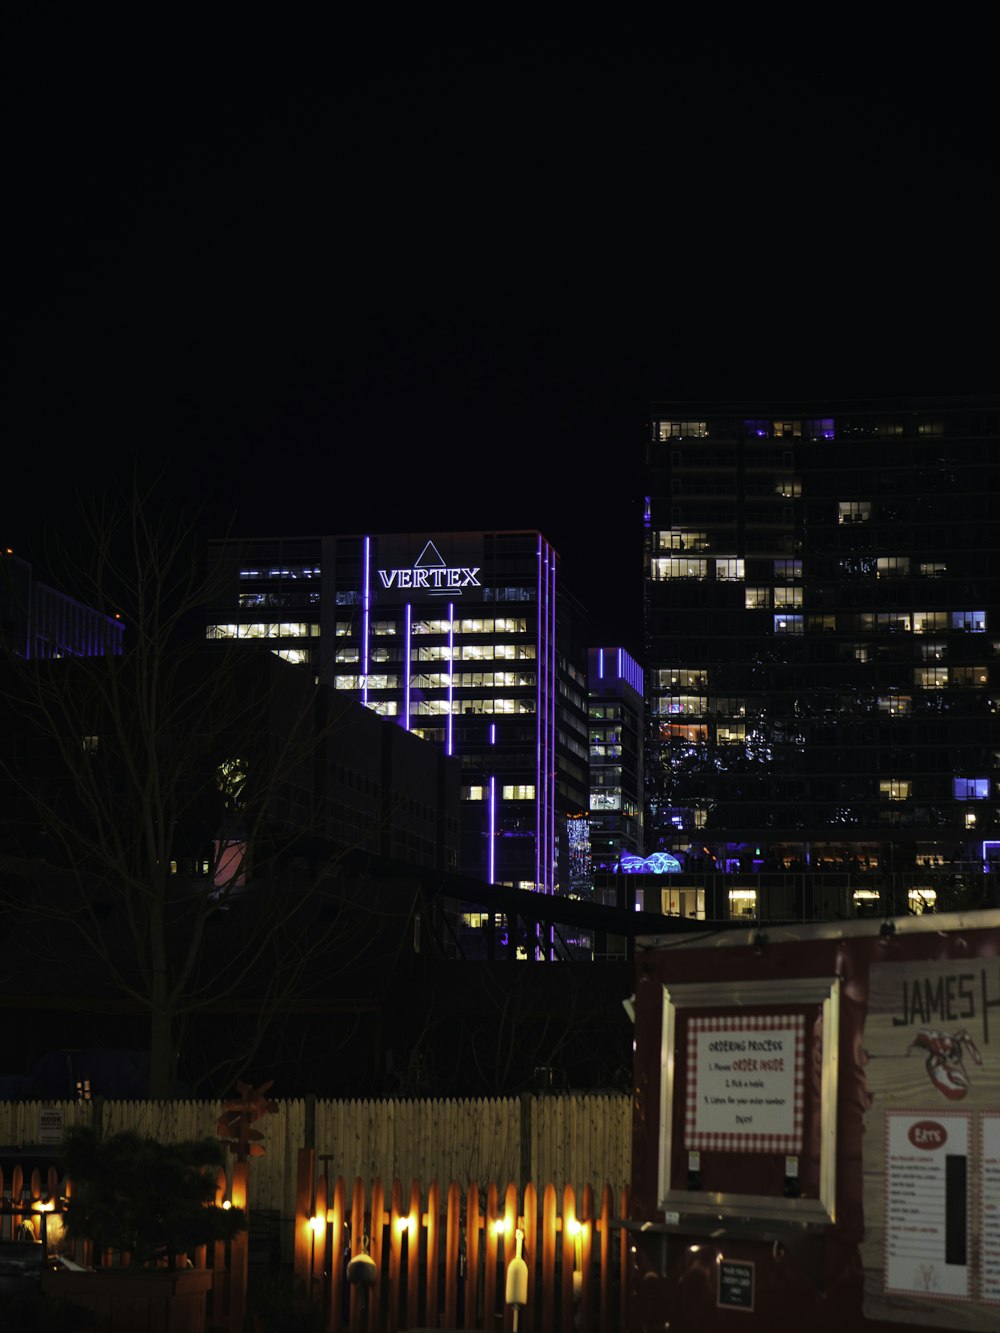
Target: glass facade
pixel 828 576
pixel 465 639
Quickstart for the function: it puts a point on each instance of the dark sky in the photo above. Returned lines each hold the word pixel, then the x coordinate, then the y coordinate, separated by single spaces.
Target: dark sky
pixel 341 283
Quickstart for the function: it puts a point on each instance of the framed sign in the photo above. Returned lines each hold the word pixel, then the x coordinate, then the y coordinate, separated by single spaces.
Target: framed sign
pixel 748 1099
pixel 735 1284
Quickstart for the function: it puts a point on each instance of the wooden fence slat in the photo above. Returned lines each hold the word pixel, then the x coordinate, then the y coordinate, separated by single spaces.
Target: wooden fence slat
pixel 472 1256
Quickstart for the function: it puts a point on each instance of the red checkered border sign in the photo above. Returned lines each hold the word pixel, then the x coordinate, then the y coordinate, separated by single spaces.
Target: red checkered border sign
pixel 734 1141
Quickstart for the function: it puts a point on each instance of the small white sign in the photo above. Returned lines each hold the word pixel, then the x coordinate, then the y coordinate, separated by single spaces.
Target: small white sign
pixel 50 1124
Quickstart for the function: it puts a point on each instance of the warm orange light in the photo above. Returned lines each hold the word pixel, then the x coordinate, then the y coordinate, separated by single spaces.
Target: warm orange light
pixel 317 1224
pixel 574 1227
pixel 227 1204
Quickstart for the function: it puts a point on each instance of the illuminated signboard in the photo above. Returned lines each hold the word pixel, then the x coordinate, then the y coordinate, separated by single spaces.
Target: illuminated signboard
pixel 430 573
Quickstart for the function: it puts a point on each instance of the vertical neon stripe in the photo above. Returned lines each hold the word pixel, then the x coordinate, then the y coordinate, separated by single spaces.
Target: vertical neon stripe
pixel 539 651
pixel 600 664
pixel 364 621
pixel 491 857
pixel 451 678
pixel 406 667
pixel 552 732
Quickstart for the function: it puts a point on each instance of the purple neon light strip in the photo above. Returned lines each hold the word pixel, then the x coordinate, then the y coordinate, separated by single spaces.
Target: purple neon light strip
pixel 407 668
pixel 600 664
pixel 552 735
pixel 538 718
pixel 493 830
pixel 364 623
pixel 451 677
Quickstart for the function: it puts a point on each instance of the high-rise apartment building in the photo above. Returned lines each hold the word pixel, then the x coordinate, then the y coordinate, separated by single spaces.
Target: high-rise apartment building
pixel 822 605
pixel 466 639
pixel 617 741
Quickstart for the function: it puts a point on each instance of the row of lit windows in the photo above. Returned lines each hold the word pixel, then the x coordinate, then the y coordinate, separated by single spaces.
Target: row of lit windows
pixel 921 622
pixel 438 680
pixel 296 571
pixel 511 791
pixel 466 652
pixel 963 789
pixel 285 629
pixel 469 625
pixel 698 705
pixel 442 707
pixel 310 598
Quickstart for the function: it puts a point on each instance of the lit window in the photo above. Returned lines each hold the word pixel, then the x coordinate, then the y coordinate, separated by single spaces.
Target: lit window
pixel 384 707
pixel 930 428
pixel 894 622
pixel 929 622
pixel 785 624
pixel 682 677
pixel 680 539
pixel 679 430
pixel 284 629
pixel 933 651
pixel 970 675
pixel 347 654
pixel 787 429
pixel 665 567
pixel 680 705
pixel 894 789
pixel 728 568
pixel 970 819
pixel 788 569
pixel 731 733
pixel 854 511
pixel 892 566
pixel 473 793
pixel 975 621
pixel 519 791
pixel 789 488
pixel 757 599
pixel 90 744
pixel 787 597
pixel 930 678
pixel 822 428
pixel 933 570
pixel 298 656
pixel 742 902
pixel 920 900
pixel 896 705
pixel 971 789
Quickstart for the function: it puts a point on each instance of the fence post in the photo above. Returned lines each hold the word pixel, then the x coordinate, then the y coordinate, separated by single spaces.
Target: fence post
pixel 549 1257
pixel 451 1239
pixel 472 1256
pixel 238 1252
pixel 303 1212
pixel 526 1139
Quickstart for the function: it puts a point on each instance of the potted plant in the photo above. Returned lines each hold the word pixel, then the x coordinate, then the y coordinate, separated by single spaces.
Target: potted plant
pixel 154 1202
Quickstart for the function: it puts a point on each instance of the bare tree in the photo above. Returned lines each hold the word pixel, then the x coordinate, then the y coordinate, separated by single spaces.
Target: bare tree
pixel 166 788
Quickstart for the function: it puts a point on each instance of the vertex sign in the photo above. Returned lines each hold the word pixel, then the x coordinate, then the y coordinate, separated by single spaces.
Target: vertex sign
pixel 430 573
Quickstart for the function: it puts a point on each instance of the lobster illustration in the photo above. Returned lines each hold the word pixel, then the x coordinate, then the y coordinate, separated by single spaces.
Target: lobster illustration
pixel 944 1060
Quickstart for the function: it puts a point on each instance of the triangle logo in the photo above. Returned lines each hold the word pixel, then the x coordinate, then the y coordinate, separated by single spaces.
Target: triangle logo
pixel 428 557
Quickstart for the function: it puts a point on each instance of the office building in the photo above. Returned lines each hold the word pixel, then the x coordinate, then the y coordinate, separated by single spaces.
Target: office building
pixel 38 621
pixel 823 640
pixel 467 639
pixel 616 725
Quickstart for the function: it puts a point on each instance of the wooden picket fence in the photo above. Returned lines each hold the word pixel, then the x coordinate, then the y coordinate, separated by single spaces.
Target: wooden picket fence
pixel 442 1263
pixel 562 1139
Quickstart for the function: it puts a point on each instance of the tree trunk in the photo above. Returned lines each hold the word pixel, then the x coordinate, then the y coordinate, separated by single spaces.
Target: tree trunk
pixel 162 1054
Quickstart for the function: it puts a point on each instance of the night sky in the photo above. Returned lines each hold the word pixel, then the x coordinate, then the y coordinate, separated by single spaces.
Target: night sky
pixel 343 282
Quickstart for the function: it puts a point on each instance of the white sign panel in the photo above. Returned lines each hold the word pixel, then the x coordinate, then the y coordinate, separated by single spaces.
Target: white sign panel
pixel 745 1083
pixel 927 1205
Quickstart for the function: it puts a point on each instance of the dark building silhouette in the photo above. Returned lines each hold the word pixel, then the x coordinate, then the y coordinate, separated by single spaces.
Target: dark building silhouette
pixel 822 641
